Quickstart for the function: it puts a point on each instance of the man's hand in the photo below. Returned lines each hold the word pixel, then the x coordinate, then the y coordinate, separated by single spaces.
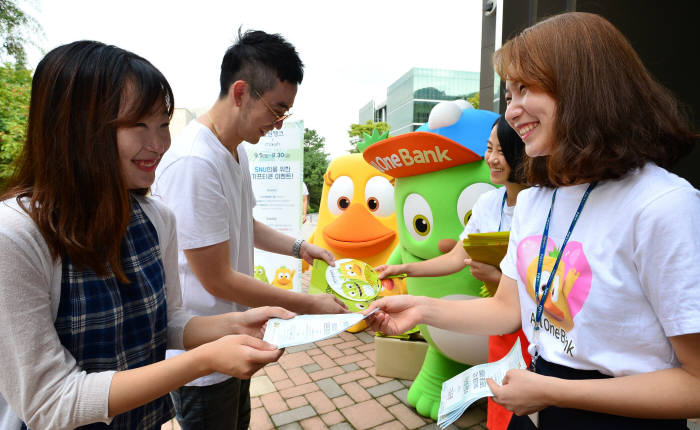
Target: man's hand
pixel 309 252
pixel 325 304
pixel 253 321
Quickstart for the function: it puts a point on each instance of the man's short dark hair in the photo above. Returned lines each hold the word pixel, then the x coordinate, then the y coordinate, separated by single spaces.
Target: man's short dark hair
pixel 260 58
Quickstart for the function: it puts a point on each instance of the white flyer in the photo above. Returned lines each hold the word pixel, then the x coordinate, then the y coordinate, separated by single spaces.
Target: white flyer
pixel 460 392
pixel 308 328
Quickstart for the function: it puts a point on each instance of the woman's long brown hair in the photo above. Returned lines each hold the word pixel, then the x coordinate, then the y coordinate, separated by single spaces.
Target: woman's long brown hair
pixel 611 115
pixel 69 178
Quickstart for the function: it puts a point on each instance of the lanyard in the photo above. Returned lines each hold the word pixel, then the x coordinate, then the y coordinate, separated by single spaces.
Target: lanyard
pixel 503 203
pixel 540 301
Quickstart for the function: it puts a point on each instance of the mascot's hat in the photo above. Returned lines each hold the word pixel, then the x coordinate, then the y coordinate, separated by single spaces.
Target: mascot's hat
pixel 453 136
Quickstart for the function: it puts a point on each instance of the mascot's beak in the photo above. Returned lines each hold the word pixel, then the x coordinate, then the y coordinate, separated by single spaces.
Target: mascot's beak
pixel 552 309
pixel 358 233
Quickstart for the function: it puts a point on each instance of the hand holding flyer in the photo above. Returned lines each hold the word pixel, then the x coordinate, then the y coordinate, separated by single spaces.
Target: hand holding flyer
pixel 308 328
pixel 464 389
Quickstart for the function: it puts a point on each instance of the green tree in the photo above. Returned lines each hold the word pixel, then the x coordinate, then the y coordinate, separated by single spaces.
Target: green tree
pixel 315 165
pixel 357 132
pixel 15 25
pixel 15 82
pixel 473 98
pixel 15 87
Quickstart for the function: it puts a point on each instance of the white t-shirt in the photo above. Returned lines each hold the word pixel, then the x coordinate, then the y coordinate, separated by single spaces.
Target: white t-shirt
pixel 628 278
pixel 39 378
pixel 486 214
pixel 212 197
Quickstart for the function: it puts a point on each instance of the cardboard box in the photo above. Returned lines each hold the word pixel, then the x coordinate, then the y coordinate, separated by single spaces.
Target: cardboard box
pixel 398 358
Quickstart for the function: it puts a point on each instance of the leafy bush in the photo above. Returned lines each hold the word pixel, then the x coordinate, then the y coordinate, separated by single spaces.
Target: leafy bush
pixel 15 88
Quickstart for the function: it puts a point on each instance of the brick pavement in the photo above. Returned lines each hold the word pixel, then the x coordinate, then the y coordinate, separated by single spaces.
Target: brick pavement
pixel 313 387
pixel 332 384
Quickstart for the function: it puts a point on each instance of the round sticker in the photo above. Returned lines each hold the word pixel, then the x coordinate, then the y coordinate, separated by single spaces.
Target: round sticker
pixel 354 280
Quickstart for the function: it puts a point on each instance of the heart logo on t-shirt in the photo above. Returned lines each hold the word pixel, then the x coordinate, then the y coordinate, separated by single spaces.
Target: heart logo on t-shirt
pixel 572 280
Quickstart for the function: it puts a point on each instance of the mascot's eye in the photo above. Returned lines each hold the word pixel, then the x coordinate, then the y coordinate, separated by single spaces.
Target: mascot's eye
pixel 340 195
pixel 379 195
pixel 421 224
pixel 361 306
pixel 417 216
pixel 468 197
pixel 372 204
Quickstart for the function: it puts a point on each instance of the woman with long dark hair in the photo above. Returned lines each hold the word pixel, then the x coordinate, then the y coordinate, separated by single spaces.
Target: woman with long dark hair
pixel 601 270
pixel 89 289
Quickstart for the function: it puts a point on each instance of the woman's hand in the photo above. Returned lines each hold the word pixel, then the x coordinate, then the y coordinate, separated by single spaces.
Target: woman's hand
pixel 389 269
pixel 239 355
pixel 484 272
pixel 253 321
pixel 396 314
pixel 523 392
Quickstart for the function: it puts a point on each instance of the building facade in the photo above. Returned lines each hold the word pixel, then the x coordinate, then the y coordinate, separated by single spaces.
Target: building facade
pixel 410 99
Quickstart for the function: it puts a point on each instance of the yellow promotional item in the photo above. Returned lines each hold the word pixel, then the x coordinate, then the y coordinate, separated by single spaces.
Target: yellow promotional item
pixel 353 281
pixel 489 248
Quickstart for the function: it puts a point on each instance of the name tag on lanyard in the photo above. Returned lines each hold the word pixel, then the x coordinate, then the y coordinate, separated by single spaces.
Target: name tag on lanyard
pixel 534 344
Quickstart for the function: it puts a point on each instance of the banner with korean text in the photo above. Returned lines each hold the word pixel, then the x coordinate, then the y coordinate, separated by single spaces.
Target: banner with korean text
pixel 276 170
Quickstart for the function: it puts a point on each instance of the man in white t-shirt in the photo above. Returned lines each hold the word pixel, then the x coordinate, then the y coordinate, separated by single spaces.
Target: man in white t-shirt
pixel 204 179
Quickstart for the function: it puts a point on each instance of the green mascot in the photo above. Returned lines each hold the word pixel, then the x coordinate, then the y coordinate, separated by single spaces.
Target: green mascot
pixel 439 173
pixel 260 274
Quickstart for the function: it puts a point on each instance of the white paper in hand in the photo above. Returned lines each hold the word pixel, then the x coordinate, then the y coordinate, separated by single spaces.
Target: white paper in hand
pixel 308 328
pixel 460 392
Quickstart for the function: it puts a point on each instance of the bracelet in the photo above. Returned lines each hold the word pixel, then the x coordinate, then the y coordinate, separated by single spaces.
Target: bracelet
pixel 296 248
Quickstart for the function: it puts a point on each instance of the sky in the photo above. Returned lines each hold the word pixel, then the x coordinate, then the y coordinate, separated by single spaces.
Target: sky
pixel 352 50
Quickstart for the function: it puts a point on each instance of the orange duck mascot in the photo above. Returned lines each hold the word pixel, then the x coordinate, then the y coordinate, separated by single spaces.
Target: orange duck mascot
pixel 356 217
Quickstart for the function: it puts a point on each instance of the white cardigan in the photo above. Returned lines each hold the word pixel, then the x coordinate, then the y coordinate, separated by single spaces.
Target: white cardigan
pixel 39 379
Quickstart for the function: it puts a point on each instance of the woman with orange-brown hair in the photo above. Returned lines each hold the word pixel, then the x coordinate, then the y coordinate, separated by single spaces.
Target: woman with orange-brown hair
pixel 600 271
pixel 89 288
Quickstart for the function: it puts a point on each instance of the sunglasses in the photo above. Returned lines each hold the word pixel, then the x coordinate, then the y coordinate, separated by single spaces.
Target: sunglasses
pixel 278 117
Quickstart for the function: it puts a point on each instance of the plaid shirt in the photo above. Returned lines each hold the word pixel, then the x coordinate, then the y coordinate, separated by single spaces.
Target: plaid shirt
pixel 109 325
